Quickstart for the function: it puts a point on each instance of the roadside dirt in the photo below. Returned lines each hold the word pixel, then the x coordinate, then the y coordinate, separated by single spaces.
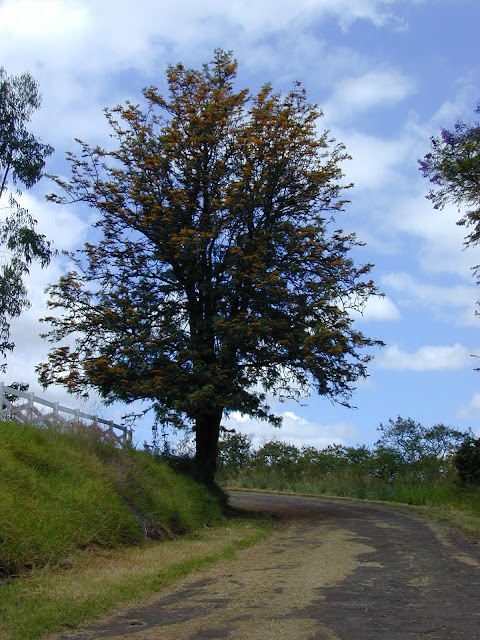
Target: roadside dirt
pixel 332 570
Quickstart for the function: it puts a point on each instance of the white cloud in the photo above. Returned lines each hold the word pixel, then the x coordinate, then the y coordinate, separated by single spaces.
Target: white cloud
pixel 61 224
pixel 295 430
pixel 381 308
pixel 459 106
pixel 88 40
pixel 375 88
pixel 240 417
pixel 442 240
pixel 400 210
pixel 347 11
pixel 67 231
pixel 378 308
pixel 76 48
pixel 475 402
pixel 455 303
pixel 30 348
pixel 292 416
pixel 42 20
pixel 471 411
pixel 375 162
pixel 130 35
pixel 428 358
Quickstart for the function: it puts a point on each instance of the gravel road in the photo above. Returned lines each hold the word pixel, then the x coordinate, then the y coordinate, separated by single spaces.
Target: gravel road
pixel 332 570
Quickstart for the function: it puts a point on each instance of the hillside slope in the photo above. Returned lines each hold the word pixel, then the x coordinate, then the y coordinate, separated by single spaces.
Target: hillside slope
pixel 61 493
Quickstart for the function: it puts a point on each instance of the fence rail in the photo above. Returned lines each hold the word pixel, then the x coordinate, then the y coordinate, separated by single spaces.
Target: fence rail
pixel 28 412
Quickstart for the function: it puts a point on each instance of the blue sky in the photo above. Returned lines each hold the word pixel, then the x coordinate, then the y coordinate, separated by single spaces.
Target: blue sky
pixel 388 75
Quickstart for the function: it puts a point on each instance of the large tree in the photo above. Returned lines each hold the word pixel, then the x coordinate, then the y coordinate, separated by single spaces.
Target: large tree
pixel 453 168
pixel 215 279
pixel 22 158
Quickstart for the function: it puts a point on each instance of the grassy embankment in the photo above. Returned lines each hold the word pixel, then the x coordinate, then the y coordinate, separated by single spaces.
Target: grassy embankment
pixel 80 525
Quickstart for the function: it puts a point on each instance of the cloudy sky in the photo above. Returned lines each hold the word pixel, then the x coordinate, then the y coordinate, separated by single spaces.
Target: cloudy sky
pixel 388 75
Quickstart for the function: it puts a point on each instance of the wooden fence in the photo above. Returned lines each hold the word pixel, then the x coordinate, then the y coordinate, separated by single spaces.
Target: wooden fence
pixel 28 412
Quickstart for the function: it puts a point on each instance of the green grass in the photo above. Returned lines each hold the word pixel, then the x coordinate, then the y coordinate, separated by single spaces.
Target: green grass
pixel 79 520
pixel 63 493
pixel 444 499
pixel 85 527
pixel 46 602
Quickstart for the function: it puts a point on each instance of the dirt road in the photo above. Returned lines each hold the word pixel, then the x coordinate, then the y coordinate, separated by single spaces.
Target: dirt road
pixel 332 570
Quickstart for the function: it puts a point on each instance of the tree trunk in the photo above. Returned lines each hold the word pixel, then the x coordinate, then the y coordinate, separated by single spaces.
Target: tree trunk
pixel 207 430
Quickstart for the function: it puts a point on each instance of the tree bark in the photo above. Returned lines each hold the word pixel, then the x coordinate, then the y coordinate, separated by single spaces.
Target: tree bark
pixel 207 431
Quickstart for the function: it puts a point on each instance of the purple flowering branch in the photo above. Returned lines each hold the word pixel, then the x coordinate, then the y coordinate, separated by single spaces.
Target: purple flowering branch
pixel 453 167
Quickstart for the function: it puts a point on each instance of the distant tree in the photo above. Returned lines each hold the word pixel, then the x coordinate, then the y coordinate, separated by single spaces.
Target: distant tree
pixel 407 443
pixel 467 461
pixel 359 456
pixel 388 462
pixel 234 450
pixel 185 446
pixel 22 157
pixel 311 459
pixel 324 461
pixel 218 277
pixel 405 437
pixel 279 456
pixel 442 441
pixel 453 168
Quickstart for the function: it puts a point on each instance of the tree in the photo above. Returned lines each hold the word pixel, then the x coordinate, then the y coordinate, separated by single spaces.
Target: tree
pixel 453 167
pixel 405 437
pixel 22 157
pixel 279 456
pixel 467 460
pixel 234 450
pixel 216 279
pixel 421 449
pixel 324 461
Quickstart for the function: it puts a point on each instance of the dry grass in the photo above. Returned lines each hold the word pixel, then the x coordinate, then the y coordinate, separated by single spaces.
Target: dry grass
pixel 268 589
pixel 49 601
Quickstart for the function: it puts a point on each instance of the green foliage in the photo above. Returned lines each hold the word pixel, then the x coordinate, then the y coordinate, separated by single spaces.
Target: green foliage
pixel 219 275
pixel 21 154
pixel 453 168
pixel 323 461
pixel 277 456
pixel 420 450
pixel 467 461
pixel 22 157
pixel 234 450
pixel 405 437
pixel 61 493
pixel 410 463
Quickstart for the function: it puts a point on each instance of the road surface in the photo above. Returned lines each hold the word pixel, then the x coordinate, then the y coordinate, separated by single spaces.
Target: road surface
pixel 332 570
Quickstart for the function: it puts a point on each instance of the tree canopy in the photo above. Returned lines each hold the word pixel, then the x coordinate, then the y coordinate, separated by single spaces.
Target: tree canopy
pixel 453 168
pixel 413 442
pixel 219 276
pixel 22 157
